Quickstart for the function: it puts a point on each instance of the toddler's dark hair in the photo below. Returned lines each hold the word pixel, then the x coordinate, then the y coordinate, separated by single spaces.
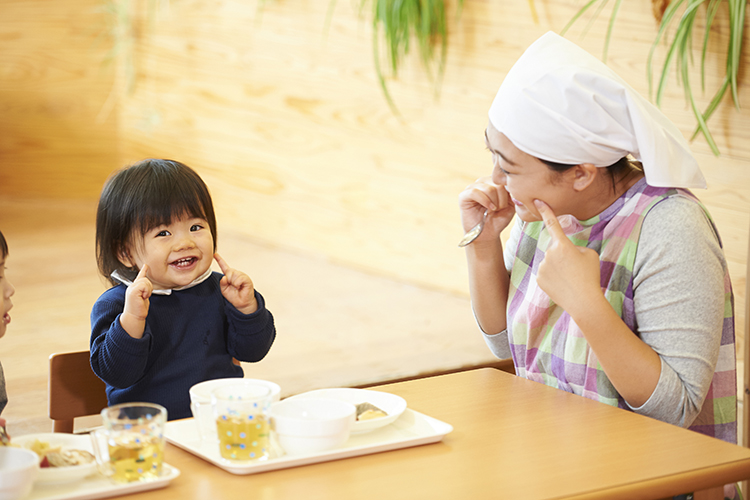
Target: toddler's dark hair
pixel 141 197
pixel 3 246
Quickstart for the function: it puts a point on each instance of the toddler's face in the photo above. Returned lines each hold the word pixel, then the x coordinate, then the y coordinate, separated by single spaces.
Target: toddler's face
pixel 6 292
pixel 176 253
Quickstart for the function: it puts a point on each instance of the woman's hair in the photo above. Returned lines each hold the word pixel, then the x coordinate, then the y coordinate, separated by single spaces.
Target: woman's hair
pixel 141 197
pixel 3 246
pixel 615 170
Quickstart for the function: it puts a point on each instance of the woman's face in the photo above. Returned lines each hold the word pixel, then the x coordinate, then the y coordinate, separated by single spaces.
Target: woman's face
pixel 526 178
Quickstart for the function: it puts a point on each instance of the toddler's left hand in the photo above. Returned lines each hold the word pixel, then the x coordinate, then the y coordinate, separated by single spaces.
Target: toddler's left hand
pixel 237 288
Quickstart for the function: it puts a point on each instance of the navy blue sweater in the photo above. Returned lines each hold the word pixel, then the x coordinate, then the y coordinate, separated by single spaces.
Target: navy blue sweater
pixel 190 336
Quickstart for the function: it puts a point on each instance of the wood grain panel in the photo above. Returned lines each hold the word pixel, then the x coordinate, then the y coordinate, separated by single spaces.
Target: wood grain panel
pixel 53 86
pixel 289 127
pixel 291 131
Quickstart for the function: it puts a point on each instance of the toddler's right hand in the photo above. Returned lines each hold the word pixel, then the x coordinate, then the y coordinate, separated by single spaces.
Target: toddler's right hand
pixel 133 318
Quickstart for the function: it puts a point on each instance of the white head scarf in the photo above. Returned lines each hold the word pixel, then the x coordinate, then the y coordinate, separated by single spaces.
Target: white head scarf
pixel 561 104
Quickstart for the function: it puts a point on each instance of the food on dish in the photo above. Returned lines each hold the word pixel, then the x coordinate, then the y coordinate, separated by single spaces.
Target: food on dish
pixel 66 458
pixel 4 437
pixel 368 411
pixel 57 457
pixel 390 404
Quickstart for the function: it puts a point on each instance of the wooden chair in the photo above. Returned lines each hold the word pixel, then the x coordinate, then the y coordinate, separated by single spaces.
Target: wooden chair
pixel 73 390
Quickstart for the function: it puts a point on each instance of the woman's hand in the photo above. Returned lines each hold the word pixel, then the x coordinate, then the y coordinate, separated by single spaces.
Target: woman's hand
pixel 237 288
pixel 137 302
pixel 483 195
pixel 569 274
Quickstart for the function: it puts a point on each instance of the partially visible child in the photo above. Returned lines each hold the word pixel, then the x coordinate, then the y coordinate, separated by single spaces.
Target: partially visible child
pixel 6 292
pixel 168 322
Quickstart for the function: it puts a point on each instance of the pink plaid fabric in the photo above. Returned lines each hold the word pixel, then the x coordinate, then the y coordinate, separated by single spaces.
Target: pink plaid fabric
pixel 548 347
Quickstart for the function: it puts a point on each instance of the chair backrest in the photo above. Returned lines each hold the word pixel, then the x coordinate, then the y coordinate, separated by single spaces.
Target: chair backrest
pixel 73 389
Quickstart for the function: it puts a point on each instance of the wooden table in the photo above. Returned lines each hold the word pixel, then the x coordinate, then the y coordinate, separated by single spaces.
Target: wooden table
pixel 512 439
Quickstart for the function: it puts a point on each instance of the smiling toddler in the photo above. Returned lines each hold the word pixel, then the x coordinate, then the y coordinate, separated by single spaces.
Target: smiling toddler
pixel 168 322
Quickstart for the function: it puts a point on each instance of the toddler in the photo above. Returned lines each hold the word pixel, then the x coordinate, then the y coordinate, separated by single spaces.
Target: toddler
pixel 168 322
pixel 6 292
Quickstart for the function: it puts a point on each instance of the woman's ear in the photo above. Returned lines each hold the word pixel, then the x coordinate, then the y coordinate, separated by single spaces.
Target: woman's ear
pixel 583 175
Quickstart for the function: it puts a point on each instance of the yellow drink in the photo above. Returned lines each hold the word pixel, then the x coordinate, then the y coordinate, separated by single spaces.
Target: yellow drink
pixel 136 459
pixel 243 438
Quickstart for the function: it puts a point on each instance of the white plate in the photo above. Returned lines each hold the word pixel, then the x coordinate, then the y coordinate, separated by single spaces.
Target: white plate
pixel 98 486
pixel 60 475
pixel 410 429
pixel 393 405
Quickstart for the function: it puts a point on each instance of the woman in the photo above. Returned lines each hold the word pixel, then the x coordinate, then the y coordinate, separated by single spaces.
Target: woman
pixel 613 284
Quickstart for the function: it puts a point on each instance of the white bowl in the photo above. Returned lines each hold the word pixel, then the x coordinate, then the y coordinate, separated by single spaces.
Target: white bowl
pixel 18 468
pixel 307 425
pixel 201 393
pixel 60 475
pixel 393 405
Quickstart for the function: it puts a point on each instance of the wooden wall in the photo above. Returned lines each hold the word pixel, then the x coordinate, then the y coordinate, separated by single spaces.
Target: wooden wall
pixel 56 137
pixel 288 126
pixel 291 131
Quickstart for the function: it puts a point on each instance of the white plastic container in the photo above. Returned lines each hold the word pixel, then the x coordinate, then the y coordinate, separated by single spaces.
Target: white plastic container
pixel 308 425
pixel 18 469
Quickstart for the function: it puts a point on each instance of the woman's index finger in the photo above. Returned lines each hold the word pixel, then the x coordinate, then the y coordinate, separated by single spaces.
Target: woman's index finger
pixel 550 221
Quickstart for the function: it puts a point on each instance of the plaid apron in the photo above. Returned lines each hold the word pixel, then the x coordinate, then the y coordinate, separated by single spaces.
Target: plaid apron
pixel 548 347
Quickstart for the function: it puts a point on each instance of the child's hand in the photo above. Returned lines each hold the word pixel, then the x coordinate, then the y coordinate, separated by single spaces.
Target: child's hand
pixel 237 288
pixel 133 318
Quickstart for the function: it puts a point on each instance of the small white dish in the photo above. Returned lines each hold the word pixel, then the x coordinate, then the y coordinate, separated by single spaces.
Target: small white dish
pixel 393 405
pixel 309 425
pixel 18 468
pixel 60 475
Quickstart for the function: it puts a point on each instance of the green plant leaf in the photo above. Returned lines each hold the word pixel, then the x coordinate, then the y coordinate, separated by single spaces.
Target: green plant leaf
pixel 610 28
pixel 577 15
pixel 679 52
pixel 737 26
pixel 396 23
pixel 665 21
pixel 710 14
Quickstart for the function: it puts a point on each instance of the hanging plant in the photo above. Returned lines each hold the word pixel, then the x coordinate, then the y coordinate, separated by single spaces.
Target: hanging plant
pixel 399 23
pixel 679 50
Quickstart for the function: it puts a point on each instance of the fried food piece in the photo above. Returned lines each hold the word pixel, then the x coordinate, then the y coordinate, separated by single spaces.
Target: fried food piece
pixel 368 411
pixel 67 458
pixel 57 457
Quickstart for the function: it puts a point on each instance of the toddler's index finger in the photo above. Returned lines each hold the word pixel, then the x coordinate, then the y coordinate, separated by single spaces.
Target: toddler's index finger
pixel 222 263
pixel 550 221
pixel 142 273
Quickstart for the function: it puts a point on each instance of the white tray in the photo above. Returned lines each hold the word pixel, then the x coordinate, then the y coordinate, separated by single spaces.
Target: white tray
pixel 98 486
pixel 410 429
